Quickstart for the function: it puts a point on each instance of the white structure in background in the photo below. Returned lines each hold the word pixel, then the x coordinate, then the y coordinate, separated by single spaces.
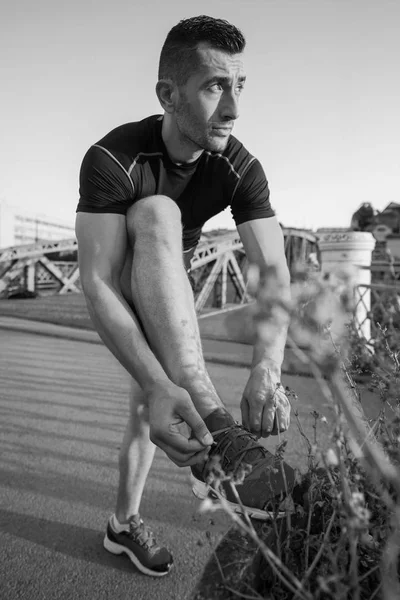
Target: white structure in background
pixel 351 248
pixel 18 228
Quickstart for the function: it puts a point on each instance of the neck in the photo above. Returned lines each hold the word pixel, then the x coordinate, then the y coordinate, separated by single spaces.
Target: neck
pixel 180 149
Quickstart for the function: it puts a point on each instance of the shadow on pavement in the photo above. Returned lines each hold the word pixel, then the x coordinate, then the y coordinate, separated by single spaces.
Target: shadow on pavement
pixel 78 542
pixel 42 418
pixel 172 505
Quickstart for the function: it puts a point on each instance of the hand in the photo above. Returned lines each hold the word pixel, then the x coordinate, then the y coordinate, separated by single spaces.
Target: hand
pixel 170 408
pixel 265 406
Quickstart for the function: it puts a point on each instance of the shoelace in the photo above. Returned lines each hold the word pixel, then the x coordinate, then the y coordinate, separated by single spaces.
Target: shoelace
pixel 143 535
pixel 222 446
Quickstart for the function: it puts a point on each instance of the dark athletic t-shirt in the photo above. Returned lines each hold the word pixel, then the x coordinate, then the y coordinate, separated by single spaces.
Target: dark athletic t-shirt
pixel 131 162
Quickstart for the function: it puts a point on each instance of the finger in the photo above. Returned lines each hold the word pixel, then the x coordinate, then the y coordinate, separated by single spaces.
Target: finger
pixel 190 415
pixel 282 418
pixel 244 407
pixel 268 420
pixel 256 417
pixel 181 461
pixel 177 442
pixel 282 414
pixel 275 427
pixel 283 411
pixel 198 458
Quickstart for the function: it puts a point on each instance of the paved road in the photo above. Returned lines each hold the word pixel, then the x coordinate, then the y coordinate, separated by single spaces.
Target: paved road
pixel 62 412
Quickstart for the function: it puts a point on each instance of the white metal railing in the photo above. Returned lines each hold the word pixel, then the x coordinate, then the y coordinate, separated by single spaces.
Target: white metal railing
pixel 378 307
pixel 31 268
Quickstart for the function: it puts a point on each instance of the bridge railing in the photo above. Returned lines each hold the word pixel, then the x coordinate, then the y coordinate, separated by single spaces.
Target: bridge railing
pixel 46 268
pixel 381 306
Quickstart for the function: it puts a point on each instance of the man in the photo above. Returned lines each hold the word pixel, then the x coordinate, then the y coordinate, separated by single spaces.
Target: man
pixel 144 188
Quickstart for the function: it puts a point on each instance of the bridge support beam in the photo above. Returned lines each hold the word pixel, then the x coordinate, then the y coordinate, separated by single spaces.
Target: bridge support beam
pixel 47 276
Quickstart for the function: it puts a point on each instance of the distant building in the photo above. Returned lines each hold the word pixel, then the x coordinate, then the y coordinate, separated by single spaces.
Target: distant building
pixel 381 232
pixel 17 228
pixel 386 229
pixel 384 226
pixel 390 216
pixel 364 218
pixel 393 245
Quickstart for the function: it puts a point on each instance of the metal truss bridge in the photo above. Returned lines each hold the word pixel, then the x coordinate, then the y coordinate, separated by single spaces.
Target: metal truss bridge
pixel 218 267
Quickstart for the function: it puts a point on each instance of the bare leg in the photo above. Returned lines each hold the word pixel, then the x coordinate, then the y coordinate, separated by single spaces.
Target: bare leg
pixel 155 281
pixel 135 458
pixel 164 300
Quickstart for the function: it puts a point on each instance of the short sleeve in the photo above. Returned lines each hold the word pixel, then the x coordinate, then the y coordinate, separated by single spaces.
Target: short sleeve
pixel 104 184
pixel 250 199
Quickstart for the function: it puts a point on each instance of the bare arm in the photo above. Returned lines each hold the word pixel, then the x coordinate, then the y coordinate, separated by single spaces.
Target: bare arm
pixel 264 245
pixel 265 408
pixel 102 243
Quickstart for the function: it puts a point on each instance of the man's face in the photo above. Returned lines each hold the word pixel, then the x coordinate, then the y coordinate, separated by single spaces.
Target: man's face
pixel 208 103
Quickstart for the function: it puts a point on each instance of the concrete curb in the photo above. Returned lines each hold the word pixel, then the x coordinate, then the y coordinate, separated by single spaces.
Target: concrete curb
pixel 215 351
pixel 92 337
pixel 49 329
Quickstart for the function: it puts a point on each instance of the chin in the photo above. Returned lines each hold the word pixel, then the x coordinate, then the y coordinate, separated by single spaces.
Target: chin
pixel 216 145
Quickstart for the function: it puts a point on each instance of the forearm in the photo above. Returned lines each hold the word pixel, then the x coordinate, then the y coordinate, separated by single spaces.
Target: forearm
pixel 118 327
pixel 269 347
pixel 270 354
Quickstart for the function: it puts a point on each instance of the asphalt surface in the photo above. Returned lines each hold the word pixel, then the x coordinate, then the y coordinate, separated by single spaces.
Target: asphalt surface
pixel 63 405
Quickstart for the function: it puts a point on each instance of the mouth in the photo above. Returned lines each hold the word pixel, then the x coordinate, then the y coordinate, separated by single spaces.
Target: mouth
pixel 222 131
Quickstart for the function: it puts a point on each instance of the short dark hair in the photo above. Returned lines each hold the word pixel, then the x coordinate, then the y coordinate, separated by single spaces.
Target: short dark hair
pixel 178 59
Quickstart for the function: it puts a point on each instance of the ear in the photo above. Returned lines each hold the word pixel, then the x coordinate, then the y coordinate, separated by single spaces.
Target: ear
pixel 166 94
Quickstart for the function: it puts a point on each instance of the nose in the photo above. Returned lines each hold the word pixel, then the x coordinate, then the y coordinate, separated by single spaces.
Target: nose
pixel 229 106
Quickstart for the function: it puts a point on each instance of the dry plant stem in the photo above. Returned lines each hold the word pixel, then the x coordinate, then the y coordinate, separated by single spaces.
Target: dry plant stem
pixel 314 563
pixel 315 430
pixel 255 597
pixel 226 586
pixel 389 562
pixel 277 534
pixel 244 510
pixel 368 573
pixel 392 354
pixel 310 455
pixel 343 480
pixel 354 567
pixel 241 594
pixel 286 577
pixel 380 464
pixel 349 378
pixel 310 512
pixel 231 589
pixel 380 364
pixel 372 430
pixel 374 451
pixel 376 591
pixel 288 515
pixel 315 370
pixel 223 578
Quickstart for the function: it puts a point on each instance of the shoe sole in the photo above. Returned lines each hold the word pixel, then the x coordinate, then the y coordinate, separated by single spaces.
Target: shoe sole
pixel 201 490
pixel 119 549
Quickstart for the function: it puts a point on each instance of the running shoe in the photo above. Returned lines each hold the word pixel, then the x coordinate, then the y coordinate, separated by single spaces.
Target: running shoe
pixel 265 480
pixel 137 541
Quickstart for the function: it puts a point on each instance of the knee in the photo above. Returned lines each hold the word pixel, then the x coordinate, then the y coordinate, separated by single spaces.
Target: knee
pixel 155 215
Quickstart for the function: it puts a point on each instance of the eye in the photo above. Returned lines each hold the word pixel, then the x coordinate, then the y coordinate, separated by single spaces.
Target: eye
pixel 215 87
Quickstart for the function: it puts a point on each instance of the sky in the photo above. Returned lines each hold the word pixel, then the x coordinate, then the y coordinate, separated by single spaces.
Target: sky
pixel 320 109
